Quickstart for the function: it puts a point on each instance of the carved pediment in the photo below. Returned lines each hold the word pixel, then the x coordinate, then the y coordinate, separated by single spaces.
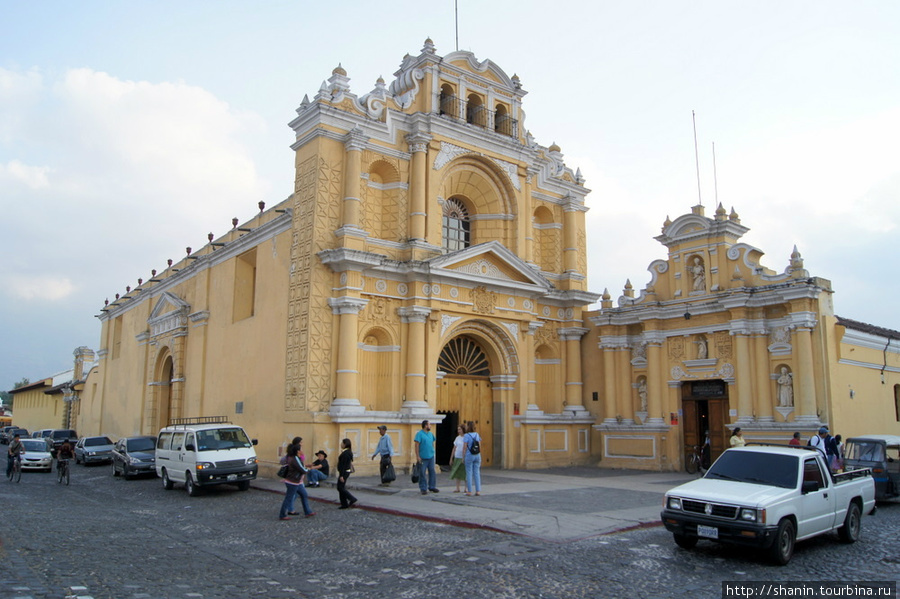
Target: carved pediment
pixel 489 260
pixel 169 314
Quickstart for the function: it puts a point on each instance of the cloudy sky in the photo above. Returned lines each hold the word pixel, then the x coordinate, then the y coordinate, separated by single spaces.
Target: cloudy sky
pixel 130 130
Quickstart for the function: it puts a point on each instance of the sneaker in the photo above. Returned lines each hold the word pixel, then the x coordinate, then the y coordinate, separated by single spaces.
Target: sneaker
pixel 424 492
pixel 285 518
pixel 343 507
pixel 310 515
pixel 293 513
pixel 434 490
pixel 352 503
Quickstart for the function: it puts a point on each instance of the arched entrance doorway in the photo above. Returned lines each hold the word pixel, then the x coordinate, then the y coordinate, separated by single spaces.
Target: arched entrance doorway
pixel 164 393
pixel 464 393
pixel 705 411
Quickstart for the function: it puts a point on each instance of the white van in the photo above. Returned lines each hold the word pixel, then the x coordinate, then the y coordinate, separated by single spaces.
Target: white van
pixel 205 451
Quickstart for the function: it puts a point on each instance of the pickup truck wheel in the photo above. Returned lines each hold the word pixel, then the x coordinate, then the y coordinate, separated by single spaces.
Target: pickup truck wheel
pixel 783 547
pixel 685 542
pixel 244 485
pixel 849 532
pixel 167 482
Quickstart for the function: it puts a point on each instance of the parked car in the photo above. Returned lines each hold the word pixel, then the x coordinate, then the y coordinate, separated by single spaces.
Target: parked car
pixel 59 436
pixel 881 453
pixel 41 434
pixel 134 455
pixel 11 433
pixel 93 450
pixel 205 451
pixel 36 456
pixel 3 438
pixel 769 497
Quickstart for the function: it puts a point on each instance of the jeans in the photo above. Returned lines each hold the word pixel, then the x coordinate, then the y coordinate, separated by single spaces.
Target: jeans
pixel 314 476
pixel 290 493
pixel 10 459
pixel 473 472
pixel 427 466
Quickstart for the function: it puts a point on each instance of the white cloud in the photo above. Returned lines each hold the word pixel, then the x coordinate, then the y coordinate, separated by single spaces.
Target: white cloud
pixel 45 287
pixel 15 171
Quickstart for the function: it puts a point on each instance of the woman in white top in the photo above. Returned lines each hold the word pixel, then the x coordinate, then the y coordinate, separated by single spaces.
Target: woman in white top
pixel 457 467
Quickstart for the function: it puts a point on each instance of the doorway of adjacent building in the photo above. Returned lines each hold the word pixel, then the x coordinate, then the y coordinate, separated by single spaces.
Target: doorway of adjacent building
pixel 705 412
pixel 465 393
pixel 164 395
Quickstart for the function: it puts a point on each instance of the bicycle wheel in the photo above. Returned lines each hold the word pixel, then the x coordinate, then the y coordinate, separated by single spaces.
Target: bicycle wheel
pixel 59 473
pixel 66 475
pixel 690 463
pixel 17 472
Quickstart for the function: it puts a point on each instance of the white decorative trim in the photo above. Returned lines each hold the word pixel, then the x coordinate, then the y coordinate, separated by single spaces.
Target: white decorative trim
pixel 483 267
pixel 511 171
pixel 513 329
pixel 447 321
pixel 447 153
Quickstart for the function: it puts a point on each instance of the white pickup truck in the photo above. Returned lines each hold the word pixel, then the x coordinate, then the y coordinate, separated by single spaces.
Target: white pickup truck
pixel 769 497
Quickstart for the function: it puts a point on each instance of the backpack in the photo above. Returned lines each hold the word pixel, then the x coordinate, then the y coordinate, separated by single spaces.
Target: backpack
pixel 475 448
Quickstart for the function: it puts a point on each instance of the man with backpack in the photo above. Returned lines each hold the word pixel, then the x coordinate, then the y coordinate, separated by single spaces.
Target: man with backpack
pixel 472 459
pixel 819 442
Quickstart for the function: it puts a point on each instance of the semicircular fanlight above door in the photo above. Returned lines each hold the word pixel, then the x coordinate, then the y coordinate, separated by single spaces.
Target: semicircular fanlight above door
pixel 463 356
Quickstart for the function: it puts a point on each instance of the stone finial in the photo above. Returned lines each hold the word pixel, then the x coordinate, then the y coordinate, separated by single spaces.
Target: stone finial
pixel 666 224
pixel 140 281
pixel 339 70
pixel 629 289
pixel 734 216
pixel 720 212
pixel 606 299
pixel 517 83
pixel 234 223
pixel 188 250
pixel 153 273
pixel 428 48
pixel 127 288
pixel 262 206
pixel 579 178
pixel 699 210
pixel 554 148
pixel 169 262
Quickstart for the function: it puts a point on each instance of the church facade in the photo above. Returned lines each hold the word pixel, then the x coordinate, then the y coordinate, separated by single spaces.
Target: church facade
pixel 429 264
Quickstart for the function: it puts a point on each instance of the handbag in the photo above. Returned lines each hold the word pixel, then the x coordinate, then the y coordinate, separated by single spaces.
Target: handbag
pixel 282 472
pixel 415 473
pixel 389 474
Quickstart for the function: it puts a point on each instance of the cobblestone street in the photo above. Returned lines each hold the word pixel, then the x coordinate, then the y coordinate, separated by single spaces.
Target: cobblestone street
pixel 133 540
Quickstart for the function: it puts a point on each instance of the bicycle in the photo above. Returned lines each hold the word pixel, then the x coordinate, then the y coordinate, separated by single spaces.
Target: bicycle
pixel 62 471
pixel 15 474
pixel 695 461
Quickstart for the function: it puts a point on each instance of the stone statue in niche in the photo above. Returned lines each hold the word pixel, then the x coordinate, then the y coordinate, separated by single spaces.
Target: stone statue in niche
pixel 642 393
pixel 785 388
pixel 702 348
pixel 698 272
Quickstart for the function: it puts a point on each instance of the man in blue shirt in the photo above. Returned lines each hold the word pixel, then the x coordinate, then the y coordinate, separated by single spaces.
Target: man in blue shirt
pixel 424 441
pixel 385 449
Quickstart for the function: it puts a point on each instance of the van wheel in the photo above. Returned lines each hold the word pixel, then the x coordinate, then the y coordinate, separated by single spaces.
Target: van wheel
pixel 244 485
pixel 782 549
pixel 190 486
pixel 849 532
pixel 115 472
pixel 167 483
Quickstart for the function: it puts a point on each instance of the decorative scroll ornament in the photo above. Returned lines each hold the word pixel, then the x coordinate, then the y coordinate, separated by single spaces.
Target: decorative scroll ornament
pixel 484 268
pixel 406 86
pixel 448 152
pixel 482 300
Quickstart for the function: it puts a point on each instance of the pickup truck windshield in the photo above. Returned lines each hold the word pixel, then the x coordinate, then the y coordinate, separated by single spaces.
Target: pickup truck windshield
pixel 756 468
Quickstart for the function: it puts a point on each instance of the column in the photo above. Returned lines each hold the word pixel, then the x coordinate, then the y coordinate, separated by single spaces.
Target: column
pixel 526 215
pixel 804 377
pixel 763 405
pixel 571 336
pixel 529 375
pixel 354 143
pixel 414 317
pixel 418 147
pixel 346 391
pixel 743 376
pixel 609 382
pixel 570 234
pixel 624 405
pixel 656 385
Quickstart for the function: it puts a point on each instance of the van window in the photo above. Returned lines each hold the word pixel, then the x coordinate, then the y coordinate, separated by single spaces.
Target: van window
pixel 189 440
pixel 165 441
pixel 222 438
pixel 177 441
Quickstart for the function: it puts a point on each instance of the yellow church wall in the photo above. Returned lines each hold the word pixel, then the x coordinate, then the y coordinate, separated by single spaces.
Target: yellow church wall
pixel 35 410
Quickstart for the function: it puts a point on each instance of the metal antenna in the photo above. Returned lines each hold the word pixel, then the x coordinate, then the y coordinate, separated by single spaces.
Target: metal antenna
pixel 715 175
pixel 456 18
pixel 696 156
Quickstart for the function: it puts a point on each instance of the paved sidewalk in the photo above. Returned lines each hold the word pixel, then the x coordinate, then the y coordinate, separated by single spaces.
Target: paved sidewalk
pixel 562 504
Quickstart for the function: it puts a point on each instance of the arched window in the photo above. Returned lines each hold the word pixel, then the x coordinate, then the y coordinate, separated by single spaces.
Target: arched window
pixel 475 113
pixel 463 356
pixel 456 228
pixel 502 122
pixel 448 100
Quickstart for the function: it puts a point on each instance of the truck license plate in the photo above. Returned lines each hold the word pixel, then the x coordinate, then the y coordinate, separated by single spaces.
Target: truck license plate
pixel 709 532
pixel 234 477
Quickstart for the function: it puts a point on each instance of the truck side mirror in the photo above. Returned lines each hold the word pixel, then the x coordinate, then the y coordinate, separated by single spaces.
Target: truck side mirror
pixel 255 441
pixel 809 486
pixel 190 447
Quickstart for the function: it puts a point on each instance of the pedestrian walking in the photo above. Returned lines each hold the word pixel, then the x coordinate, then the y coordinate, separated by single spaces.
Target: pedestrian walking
pixel 293 484
pixel 345 469
pixel 385 449
pixel 424 442
pixel 472 458
pixel 457 464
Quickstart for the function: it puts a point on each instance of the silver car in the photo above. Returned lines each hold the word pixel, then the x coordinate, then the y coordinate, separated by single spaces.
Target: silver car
pixel 93 450
pixel 36 456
